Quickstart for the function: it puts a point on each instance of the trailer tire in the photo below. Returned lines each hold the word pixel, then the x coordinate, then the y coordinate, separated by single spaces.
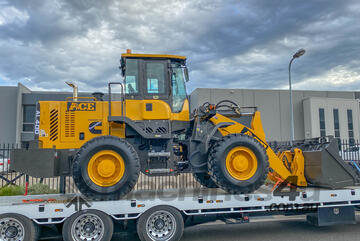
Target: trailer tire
pixel 88 225
pixel 164 221
pixel 204 179
pixel 124 165
pixel 231 174
pixel 18 227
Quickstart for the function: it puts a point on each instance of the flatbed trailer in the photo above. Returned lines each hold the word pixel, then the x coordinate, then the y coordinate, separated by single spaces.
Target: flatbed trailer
pixel 163 214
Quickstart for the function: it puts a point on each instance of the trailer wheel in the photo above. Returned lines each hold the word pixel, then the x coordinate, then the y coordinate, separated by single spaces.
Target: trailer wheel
pixel 106 168
pixel 204 179
pixel 18 227
pixel 238 164
pixel 88 225
pixel 161 223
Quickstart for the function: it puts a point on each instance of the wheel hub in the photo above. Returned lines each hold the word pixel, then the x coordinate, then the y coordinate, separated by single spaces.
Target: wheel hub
pixel 87 227
pixel 241 163
pixel 161 226
pixel 11 229
pixel 106 168
pixel 11 232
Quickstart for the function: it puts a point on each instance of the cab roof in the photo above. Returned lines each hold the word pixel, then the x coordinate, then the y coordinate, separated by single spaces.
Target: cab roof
pixel 155 56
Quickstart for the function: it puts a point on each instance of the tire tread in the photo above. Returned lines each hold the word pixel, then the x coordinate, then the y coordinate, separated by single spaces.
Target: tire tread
pixel 81 185
pixel 215 170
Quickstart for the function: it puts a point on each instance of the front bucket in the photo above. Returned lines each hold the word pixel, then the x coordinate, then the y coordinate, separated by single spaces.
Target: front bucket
pixel 324 167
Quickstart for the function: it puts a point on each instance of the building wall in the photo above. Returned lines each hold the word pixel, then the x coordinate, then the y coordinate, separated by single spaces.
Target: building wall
pixel 312 119
pixel 21 90
pixel 273 105
pixel 8 112
pixel 11 113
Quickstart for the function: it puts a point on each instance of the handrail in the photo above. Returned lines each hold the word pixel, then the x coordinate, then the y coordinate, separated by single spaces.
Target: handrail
pixel 122 96
pixel 72 98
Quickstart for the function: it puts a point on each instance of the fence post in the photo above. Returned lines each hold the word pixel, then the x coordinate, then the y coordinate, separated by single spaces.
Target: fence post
pixel 26 185
pixel 62 184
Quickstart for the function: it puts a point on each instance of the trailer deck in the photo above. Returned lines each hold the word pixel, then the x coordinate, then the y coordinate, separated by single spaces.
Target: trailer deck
pixel 192 203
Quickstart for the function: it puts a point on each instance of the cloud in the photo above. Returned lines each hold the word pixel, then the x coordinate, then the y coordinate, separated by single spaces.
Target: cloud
pixel 11 15
pixel 232 44
pixel 339 77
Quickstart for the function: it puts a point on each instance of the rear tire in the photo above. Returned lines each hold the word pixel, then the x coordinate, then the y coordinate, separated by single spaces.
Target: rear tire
pixel 205 180
pixel 88 225
pixel 160 223
pixel 242 181
pixel 123 174
pixel 18 227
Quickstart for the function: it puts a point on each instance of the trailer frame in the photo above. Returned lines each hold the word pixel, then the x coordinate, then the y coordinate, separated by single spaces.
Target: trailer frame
pixel 322 206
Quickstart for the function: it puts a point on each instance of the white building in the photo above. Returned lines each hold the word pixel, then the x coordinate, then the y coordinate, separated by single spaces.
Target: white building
pixel 309 106
pixel 331 116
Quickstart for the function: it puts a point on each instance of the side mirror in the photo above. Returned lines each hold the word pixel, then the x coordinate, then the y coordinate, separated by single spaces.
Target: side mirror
pixel 186 72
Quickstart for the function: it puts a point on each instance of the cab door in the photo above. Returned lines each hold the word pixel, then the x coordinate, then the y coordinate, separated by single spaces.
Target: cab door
pixel 156 90
pixel 156 78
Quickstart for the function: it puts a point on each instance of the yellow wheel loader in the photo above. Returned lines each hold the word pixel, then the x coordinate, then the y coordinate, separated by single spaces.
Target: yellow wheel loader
pixel 104 142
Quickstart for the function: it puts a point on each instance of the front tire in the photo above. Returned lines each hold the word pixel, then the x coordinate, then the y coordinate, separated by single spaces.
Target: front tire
pixel 238 164
pixel 106 168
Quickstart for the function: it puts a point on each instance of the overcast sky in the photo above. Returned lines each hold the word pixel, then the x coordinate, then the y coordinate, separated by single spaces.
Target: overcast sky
pixel 229 44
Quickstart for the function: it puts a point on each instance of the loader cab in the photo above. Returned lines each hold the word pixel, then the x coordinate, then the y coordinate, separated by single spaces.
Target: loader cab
pixel 156 77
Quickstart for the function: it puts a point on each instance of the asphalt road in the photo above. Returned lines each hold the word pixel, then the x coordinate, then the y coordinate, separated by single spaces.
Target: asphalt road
pixel 268 230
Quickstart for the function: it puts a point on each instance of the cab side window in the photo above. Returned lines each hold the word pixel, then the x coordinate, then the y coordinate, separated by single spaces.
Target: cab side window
pixel 155 78
pixel 131 76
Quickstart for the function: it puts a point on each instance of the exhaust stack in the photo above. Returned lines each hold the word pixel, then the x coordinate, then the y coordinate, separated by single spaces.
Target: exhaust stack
pixel 75 90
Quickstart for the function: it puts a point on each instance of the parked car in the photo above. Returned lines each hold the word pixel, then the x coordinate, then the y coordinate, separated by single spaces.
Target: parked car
pixel 4 163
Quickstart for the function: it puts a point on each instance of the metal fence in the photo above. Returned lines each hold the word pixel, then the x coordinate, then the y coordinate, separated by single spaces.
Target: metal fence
pixel 185 180
pixel 350 152
pixel 67 185
pixel 8 177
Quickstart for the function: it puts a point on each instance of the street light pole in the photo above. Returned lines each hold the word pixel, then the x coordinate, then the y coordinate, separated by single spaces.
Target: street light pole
pixel 299 53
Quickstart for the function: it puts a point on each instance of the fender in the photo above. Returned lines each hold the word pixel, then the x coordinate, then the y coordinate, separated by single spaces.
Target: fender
pixel 200 142
pixel 212 133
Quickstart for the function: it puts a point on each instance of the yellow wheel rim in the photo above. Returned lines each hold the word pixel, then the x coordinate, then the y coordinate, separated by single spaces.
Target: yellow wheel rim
pixel 241 163
pixel 106 168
